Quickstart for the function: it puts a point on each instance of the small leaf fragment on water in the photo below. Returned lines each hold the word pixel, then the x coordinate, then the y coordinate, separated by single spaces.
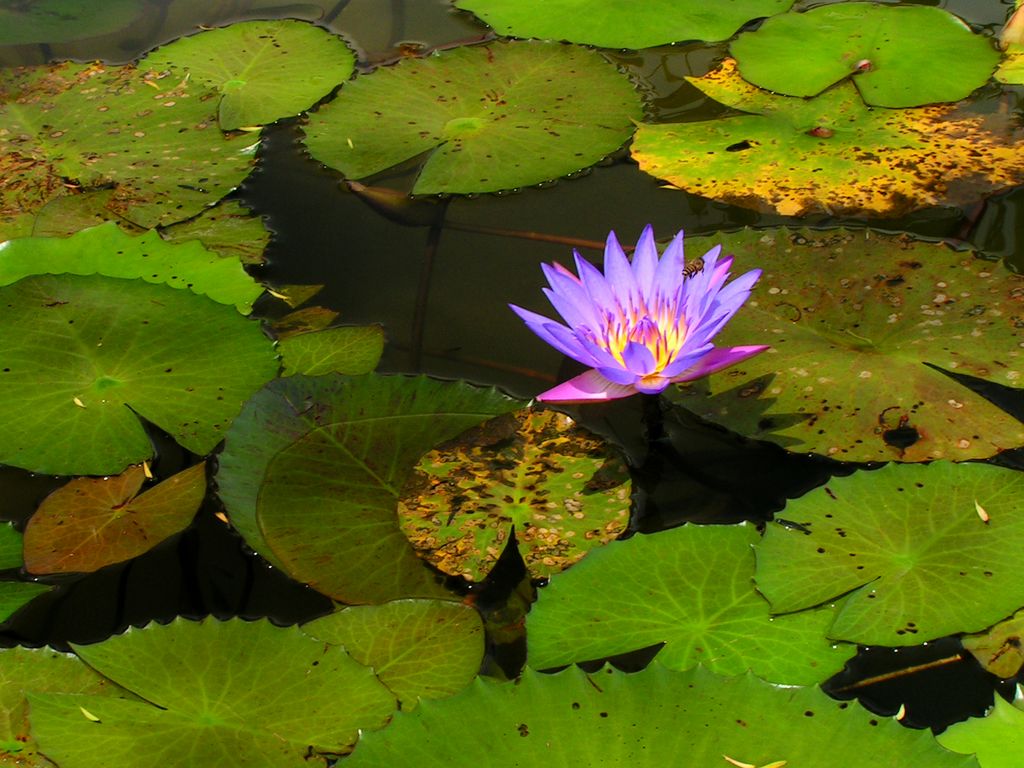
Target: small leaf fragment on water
pixel 981 512
pixel 89 715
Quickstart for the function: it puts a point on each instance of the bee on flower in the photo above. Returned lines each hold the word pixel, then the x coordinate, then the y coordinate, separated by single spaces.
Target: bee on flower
pixel 643 324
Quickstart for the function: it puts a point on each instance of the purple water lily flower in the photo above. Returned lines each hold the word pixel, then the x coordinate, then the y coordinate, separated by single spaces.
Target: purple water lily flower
pixel 642 325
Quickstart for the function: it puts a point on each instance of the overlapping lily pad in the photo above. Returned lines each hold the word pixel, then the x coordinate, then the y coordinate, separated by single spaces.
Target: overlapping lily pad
pixel 564 490
pixel 488 117
pixel 923 551
pixel 996 739
pixel 418 648
pixel 264 70
pixel 312 469
pixel 351 350
pixel 82 358
pixel 853 318
pixel 14 594
pixel 214 693
pixel 1000 649
pixel 647 720
pixel 832 153
pixel 60 21
pixel 93 522
pixel 897 56
pixel 690 588
pixel 621 23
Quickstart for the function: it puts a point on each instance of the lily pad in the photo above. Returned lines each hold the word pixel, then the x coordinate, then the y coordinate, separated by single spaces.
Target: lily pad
pixel 997 739
pixel 228 228
pixel 489 117
pixel 214 693
pixel 897 56
pixel 425 649
pixel 60 21
pixel 264 70
pixel 1000 649
pixel 26 185
pixel 690 588
pixel 831 153
pixel 312 469
pixel 621 23
pixel 83 357
pixel 564 490
pixel 923 551
pixel 14 594
pixel 351 350
pixel 153 137
pixel 853 318
pixel 106 250
pixel 650 719
pixel 92 522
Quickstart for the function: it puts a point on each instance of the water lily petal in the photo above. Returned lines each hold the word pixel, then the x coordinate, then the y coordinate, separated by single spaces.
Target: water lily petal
pixel 617 375
pixel 619 273
pixel 652 385
pixel 571 301
pixel 686 359
pixel 669 275
pixel 542 326
pixel 719 358
pixel 597 287
pixel 645 262
pixel 639 359
pixel 587 387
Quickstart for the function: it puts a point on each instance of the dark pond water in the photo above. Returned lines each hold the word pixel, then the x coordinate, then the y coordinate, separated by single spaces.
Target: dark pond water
pixel 441 292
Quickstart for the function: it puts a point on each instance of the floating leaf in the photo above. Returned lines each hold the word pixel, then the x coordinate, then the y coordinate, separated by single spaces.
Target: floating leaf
pixel 302 321
pixel 83 357
pixel 60 21
pixel 997 739
pixel 215 693
pixel 264 70
pixel 831 153
pixel 621 23
pixel 14 594
pixel 909 545
pixel 1011 70
pixel 106 250
pixel 1000 649
pixel 347 349
pixel 491 117
pixel 564 491
pixel 418 648
pixel 93 522
pixel 651 719
pixel 897 56
pixel 153 137
pixel 228 228
pixel 659 589
pixel 312 468
pixel 26 185
pixel 852 318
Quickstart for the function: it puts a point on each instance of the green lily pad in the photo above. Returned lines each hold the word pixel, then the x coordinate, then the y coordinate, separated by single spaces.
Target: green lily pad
pixel 490 117
pixel 621 23
pixel 418 648
pixel 312 469
pixel 852 318
pixel 215 693
pixel 264 70
pixel 10 547
pixel 655 718
pixel 60 21
pixel 897 56
pixel 92 522
pixel 997 739
pixel 14 594
pixel 351 350
pixel 106 250
pixel 153 137
pixel 923 551
pixel 83 357
pixel 832 153
pixel 660 589
pixel 1000 648
pixel 564 490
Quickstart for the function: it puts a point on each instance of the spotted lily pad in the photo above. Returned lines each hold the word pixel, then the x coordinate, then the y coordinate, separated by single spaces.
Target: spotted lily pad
pixel 1000 649
pixel 832 153
pixel 95 521
pixel 621 23
pixel 853 318
pixel 345 349
pixel 996 739
pixel 897 56
pixel 154 137
pixel 656 589
pixel 264 70
pixel 923 551
pixel 213 693
pixel 106 250
pixel 83 357
pixel 60 21
pixel 645 720
pixel 489 117
pixel 418 648
pixel 312 469
pixel 14 594
pixel 564 491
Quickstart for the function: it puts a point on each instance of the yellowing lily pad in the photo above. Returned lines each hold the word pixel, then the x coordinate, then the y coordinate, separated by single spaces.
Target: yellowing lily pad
pixel 92 522
pixel 488 117
pixel 831 153
pixel 856 321
pixel 346 349
pixel 1000 648
pixel 562 489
